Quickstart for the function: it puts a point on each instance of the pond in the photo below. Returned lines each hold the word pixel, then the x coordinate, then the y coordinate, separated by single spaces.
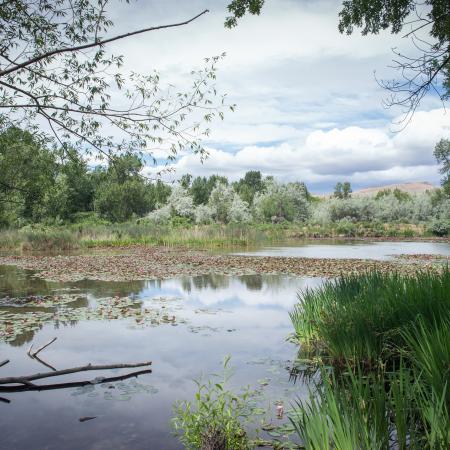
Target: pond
pixel 351 249
pixel 185 326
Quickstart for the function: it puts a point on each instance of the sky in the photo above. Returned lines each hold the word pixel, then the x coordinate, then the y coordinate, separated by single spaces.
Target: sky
pixel 308 105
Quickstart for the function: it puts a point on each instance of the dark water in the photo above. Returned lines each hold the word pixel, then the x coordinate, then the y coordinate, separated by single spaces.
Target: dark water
pixel 245 317
pixel 352 249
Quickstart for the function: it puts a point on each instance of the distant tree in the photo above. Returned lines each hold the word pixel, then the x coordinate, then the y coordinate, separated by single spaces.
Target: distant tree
pixel 120 191
pixel 185 181
pixel 160 192
pixel 27 172
pixel 55 71
pixel 428 70
pixel 279 202
pixel 248 186
pixel 342 190
pixel 120 202
pixel 442 155
pixel 220 201
pixel 202 187
pixel 338 190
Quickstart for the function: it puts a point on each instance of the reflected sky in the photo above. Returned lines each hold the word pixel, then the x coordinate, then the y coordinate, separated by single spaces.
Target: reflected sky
pixel 354 250
pixel 245 317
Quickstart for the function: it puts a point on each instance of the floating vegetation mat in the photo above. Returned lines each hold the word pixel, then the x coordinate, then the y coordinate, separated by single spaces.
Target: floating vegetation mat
pixel 42 301
pixel 143 263
pixel 14 323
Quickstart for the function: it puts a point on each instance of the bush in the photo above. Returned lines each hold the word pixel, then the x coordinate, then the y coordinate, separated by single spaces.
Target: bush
pixel 440 227
pixel 213 420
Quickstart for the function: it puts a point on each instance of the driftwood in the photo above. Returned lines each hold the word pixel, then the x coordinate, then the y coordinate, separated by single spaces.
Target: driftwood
pixel 27 379
pixel 47 387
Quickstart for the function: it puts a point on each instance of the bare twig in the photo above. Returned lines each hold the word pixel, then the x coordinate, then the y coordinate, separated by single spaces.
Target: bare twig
pixel 44 363
pixel 34 354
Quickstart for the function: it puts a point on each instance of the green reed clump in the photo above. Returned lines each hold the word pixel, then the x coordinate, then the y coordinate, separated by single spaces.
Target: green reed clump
pixel 387 337
pixel 404 408
pixel 362 317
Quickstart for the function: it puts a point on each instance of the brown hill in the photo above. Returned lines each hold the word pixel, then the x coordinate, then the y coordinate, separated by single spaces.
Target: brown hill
pixel 411 188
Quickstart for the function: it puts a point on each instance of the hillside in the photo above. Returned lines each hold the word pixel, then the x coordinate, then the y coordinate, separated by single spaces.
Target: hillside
pixel 412 188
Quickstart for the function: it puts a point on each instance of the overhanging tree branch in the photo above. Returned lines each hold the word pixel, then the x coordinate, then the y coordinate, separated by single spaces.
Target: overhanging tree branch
pixel 96 43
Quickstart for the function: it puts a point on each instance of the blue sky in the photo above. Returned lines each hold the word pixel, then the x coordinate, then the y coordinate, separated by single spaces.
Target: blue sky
pixel 308 106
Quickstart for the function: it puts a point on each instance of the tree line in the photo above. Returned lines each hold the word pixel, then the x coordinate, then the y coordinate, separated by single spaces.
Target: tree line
pixel 41 183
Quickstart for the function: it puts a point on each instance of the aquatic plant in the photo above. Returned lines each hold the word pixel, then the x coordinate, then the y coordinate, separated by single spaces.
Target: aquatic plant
pixel 362 317
pixel 213 421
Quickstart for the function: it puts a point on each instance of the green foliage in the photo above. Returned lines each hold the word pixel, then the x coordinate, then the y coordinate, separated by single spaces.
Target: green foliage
pixel 202 187
pixel 120 202
pixel 440 227
pixel 342 190
pixel 214 420
pixel 27 170
pixel 361 317
pixel 251 184
pixel 280 202
pixel 54 60
pixel 390 350
pixel 442 155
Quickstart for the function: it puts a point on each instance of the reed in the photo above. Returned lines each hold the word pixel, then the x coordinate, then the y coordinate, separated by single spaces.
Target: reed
pixel 363 317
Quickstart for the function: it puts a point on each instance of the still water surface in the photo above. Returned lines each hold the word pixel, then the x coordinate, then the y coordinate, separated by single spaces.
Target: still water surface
pixel 243 316
pixel 352 249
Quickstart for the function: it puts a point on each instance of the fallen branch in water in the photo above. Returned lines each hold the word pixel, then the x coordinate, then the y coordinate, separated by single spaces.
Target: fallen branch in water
pixel 3 363
pixel 47 387
pixel 44 363
pixel 27 380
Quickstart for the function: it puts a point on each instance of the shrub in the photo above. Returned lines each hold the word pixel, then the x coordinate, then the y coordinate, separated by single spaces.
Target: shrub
pixel 213 420
pixel 440 227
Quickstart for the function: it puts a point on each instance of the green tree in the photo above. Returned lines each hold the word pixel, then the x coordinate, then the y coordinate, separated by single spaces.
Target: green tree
pixel 342 190
pixel 202 187
pixel 55 68
pixel 442 155
pixel 27 172
pixel 120 190
pixel 120 202
pixel 248 186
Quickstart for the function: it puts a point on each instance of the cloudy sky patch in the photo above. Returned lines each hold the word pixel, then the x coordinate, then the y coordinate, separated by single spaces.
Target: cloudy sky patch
pixel 308 105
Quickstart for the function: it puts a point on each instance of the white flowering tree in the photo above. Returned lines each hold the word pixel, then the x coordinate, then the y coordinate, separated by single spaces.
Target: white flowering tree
pixel 282 202
pixel 181 202
pixel 239 211
pixel 220 201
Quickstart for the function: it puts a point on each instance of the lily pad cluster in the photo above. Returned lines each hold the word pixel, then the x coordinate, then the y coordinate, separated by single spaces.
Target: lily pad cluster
pixel 143 263
pixel 15 323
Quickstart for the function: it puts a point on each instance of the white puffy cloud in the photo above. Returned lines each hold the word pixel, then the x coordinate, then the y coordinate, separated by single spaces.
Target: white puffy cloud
pixel 308 106
pixel 364 156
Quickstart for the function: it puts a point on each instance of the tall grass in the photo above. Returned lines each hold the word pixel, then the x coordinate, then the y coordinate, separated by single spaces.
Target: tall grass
pixel 362 317
pixel 389 335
